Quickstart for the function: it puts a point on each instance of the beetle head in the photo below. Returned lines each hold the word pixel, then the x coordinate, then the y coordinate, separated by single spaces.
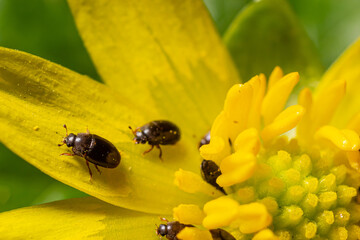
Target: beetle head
pixel 139 136
pixel 162 230
pixel 69 140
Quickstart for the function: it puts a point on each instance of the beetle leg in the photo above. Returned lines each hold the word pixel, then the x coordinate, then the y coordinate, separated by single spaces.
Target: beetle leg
pixel 97 168
pixel 87 163
pixel 87 130
pixel 149 150
pixel 164 219
pixel 160 155
pixel 67 154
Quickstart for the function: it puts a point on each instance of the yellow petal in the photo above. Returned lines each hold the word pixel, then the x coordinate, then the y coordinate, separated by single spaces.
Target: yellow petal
pixel 265 234
pixel 188 214
pixel 191 233
pixel 347 67
pixel 285 121
pixel 37 97
pixel 253 217
pixel 220 212
pixel 192 183
pixel 81 218
pixel 275 76
pixel 276 97
pixel 325 104
pixel 165 54
pixel 345 139
pixel 236 168
pixel 248 141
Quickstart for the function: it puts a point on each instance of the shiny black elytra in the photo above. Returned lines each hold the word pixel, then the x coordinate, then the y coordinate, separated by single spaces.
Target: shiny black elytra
pixel 156 133
pixel 210 171
pixel 93 148
pixel 221 234
pixel 171 229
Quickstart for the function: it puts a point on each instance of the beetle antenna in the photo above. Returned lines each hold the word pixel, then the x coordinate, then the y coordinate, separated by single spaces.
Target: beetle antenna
pixel 66 130
pixel 156 229
pixel 133 131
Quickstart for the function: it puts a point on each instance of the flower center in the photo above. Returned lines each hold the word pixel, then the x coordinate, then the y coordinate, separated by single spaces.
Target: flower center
pixel 266 186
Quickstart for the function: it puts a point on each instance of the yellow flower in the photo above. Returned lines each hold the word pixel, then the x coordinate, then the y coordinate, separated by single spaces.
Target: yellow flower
pixel 303 187
pixel 177 69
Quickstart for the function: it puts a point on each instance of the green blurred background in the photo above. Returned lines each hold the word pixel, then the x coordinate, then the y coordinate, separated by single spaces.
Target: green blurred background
pixel 45 28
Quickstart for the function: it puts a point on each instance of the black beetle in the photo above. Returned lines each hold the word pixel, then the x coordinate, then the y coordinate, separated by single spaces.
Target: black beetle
pixel 221 234
pixel 171 229
pixel 156 133
pixel 205 140
pixel 210 171
pixel 93 148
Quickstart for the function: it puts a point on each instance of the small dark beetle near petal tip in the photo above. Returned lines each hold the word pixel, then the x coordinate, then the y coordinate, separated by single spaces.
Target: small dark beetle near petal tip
pixel 221 234
pixel 205 140
pixel 93 148
pixel 210 171
pixel 171 229
pixel 156 133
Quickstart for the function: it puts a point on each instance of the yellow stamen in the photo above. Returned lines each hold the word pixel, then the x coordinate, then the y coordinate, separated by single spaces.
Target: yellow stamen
pixel 218 147
pixel 265 234
pixel 304 127
pixel 237 107
pixel 354 159
pixel 248 141
pixel 236 168
pixel 284 122
pixel 305 98
pixel 326 104
pixel 277 97
pixel 354 123
pixel 220 212
pixel 214 150
pixel 192 183
pixel 219 128
pixel 253 217
pixel 258 86
pixel 192 233
pixel 275 76
pixel 345 139
pixel 188 214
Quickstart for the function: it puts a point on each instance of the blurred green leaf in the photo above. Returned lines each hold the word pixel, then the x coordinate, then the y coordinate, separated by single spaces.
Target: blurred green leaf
pixel 223 12
pixel 332 25
pixel 44 28
pixel 23 185
pixel 266 34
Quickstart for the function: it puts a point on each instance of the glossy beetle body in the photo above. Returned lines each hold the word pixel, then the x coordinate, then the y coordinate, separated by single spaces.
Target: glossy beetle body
pixel 156 133
pixel 210 171
pixel 221 234
pixel 93 148
pixel 205 140
pixel 171 229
